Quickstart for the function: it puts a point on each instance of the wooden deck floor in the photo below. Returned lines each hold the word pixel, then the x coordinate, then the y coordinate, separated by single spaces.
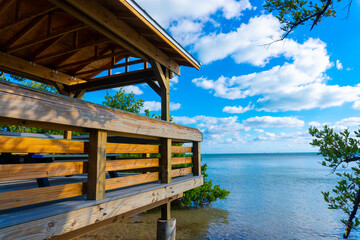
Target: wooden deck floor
pixel 53 219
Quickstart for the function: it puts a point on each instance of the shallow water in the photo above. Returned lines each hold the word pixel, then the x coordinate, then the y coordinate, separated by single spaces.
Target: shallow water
pixel 273 196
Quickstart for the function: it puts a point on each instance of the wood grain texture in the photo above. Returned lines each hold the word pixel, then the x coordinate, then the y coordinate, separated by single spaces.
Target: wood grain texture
pixel 113 183
pixel 180 149
pixel 38 195
pixel 129 164
pixel 26 104
pixel 196 159
pixel 181 160
pixel 131 148
pixel 181 171
pixel 96 165
pixel 12 64
pixel 102 16
pixel 62 223
pixel 38 145
pixel 11 172
pixel 165 160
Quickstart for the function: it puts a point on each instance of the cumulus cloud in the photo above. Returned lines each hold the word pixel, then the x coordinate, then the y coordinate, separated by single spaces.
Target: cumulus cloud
pixel 300 83
pixel 314 124
pixel 269 121
pixel 238 109
pixel 346 122
pixel 297 137
pixel 133 89
pixel 216 130
pixel 339 65
pixel 156 106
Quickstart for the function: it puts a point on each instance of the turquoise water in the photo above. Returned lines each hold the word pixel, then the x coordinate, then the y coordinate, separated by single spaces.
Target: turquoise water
pixel 273 196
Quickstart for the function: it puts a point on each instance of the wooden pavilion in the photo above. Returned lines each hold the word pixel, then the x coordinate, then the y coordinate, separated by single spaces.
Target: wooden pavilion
pixel 80 185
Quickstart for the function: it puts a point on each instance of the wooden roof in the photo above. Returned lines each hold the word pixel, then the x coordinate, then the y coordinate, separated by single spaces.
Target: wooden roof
pixel 69 42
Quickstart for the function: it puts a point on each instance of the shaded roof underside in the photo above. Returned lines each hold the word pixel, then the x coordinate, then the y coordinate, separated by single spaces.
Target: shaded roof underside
pixel 43 33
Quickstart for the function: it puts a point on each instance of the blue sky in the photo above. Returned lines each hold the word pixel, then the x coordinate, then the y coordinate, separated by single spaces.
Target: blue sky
pixel 249 96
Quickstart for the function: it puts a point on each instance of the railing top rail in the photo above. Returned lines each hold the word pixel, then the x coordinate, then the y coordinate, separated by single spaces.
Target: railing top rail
pixel 21 105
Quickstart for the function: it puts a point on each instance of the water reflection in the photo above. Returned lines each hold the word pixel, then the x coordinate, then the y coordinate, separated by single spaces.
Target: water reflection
pixel 201 223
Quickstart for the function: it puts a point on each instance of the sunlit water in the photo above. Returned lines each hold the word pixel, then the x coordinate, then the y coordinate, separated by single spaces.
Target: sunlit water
pixel 273 196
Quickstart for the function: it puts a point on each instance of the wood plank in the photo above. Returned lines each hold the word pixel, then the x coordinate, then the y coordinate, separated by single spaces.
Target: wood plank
pixel 116 80
pixel 103 17
pixel 181 149
pixel 131 148
pixel 196 159
pixel 92 227
pixel 99 70
pixel 38 195
pixel 165 160
pixel 71 220
pixel 18 66
pixel 129 164
pixel 181 160
pixel 24 104
pixel 12 172
pixel 181 171
pixel 96 165
pixel 113 183
pixel 38 145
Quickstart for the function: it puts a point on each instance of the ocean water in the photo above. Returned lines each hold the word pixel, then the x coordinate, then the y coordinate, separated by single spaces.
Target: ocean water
pixel 272 196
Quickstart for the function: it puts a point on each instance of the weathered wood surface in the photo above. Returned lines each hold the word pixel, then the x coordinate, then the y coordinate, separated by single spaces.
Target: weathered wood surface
pixel 181 160
pixel 196 159
pixel 181 171
pixel 165 160
pixel 26 104
pixel 107 208
pixel 113 183
pixel 38 195
pixel 96 165
pixel 131 148
pixel 12 172
pixel 41 73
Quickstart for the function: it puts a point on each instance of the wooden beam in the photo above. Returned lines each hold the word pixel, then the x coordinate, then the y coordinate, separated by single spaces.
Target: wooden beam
pixel 81 217
pixel 101 19
pixel 90 60
pixel 25 30
pixel 26 18
pixel 44 39
pixel 181 171
pixel 46 46
pixel 116 219
pixel 154 87
pixel 181 160
pixel 165 160
pixel 26 197
pixel 164 82
pixel 75 49
pixel 196 159
pixel 18 66
pixel 99 70
pixel 4 5
pixel 131 148
pixel 118 80
pixel 21 105
pixel 113 183
pixel 96 165
pixel 181 149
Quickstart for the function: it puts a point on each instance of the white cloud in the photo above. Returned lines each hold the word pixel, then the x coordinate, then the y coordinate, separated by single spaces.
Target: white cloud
pixel 216 130
pixel 135 89
pixel 238 109
pixel 346 122
pixel 169 11
pixel 269 121
pixel 314 124
pixel 173 81
pixel 300 83
pixel 339 65
pixel 156 106
pixel 259 130
pixel 297 137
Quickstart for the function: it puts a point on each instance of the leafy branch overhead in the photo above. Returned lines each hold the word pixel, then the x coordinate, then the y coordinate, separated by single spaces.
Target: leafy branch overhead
pixel 294 13
pixel 341 154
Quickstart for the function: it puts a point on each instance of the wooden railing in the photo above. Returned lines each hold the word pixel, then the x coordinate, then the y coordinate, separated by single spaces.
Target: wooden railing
pixel 28 107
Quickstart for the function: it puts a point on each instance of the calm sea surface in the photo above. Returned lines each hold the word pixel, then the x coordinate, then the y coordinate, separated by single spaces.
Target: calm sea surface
pixel 273 196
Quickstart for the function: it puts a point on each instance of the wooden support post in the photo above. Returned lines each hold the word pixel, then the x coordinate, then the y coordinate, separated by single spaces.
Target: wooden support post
pixel 196 159
pixel 165 160
pixel 67 134
pixel 97 165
